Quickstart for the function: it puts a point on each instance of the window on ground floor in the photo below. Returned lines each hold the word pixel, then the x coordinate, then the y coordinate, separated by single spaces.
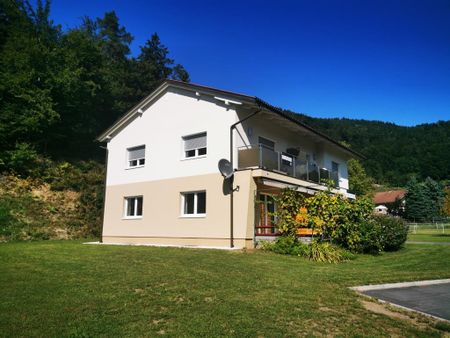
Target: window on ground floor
pixel 133 207
pixel 193 203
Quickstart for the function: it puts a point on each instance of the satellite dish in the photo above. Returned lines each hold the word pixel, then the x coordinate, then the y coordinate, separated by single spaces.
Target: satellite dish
pixel 225 168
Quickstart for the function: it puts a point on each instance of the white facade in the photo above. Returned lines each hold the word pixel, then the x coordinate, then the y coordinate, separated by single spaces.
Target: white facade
pixel 147 190
pixel 160 128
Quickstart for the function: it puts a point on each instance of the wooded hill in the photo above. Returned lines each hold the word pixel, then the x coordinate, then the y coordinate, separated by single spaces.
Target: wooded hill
pixel 60 88
pixel 394 153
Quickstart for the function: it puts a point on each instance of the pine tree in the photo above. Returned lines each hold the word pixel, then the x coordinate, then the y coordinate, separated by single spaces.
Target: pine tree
pixel 415 204
pixel 435 198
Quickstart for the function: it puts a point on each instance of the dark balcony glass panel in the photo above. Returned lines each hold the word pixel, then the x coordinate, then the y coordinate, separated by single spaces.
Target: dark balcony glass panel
pixel 335 178
pixel 248 157
pixel 324 174
pixel 313 173
pixel 269 159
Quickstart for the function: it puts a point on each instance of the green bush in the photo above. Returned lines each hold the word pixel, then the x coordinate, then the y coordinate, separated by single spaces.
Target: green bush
pixel 324 252
pixel 7 221
pixel 316 251
pixel 371 237
pixel 21 218
pixel 285 245
pixel 394 231
pixel 23 160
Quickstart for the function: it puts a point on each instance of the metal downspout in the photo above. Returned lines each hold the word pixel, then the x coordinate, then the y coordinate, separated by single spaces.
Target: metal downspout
pixel 232 127
pixel 104 192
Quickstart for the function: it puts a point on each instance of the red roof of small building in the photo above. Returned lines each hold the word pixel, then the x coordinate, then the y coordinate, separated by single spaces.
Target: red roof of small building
pixel 388 196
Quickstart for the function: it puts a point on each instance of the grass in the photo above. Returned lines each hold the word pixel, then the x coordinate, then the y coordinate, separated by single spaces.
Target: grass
pixel 429 233
pixel 66 289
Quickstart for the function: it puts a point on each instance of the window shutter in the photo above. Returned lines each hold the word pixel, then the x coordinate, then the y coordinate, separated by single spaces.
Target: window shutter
pixel 194 141
pixel 136 153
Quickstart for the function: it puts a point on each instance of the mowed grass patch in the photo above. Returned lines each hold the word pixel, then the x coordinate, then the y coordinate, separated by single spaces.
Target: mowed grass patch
pixel 67 289
pixel 429 233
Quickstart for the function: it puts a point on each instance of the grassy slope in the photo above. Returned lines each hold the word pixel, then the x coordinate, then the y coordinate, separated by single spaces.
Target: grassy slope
pixel 68 289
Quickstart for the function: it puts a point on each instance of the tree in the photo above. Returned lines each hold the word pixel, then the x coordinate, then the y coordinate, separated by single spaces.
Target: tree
pixel 359 182
pixel 179 73
pixel 423 200
pixel 435 195
pixel 60 89
pixel 29 65
pixel 414 200
pixel 446 204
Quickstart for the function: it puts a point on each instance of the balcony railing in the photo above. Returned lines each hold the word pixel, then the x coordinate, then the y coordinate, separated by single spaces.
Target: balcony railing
pixel 295 166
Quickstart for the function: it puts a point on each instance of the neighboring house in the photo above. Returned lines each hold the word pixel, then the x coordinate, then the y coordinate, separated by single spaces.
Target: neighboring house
pixel 163 185
pixel 393 201
pixel 381 209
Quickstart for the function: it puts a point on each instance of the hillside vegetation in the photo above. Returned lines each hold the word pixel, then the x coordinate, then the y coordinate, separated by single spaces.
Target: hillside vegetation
pixel 65 203
pixel 394 153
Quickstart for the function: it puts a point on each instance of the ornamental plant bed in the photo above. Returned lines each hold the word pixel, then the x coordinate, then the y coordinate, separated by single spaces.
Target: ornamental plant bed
pixel 307 232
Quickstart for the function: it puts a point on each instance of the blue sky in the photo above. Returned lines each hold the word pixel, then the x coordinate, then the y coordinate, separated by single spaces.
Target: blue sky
pixel 376 60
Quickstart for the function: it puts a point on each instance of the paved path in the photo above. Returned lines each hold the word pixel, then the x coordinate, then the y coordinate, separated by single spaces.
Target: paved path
pixel 430 299
pixel 431 243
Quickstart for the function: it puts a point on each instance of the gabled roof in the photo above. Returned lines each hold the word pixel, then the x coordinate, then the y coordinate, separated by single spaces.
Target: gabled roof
pixel 227 95
pixel 386 197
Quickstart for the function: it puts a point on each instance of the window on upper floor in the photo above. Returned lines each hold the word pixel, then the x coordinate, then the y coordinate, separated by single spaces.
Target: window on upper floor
pixel 133 207
pixel 335 173
pixel 266 143
pixel 136 156
pixel 194 145
pixel 334 167
pixel 193 203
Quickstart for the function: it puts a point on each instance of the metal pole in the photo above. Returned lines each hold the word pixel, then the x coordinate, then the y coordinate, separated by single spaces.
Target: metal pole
pixel 233 126
pixel 104 192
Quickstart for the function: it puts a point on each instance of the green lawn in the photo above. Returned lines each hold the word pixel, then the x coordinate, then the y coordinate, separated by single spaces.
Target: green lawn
pixel 429 233
pixel 66 289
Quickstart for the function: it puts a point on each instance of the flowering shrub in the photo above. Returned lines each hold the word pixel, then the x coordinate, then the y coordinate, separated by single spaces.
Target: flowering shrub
pixel 347 223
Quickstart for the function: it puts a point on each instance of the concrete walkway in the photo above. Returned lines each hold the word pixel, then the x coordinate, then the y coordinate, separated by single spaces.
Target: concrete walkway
pixel 431 298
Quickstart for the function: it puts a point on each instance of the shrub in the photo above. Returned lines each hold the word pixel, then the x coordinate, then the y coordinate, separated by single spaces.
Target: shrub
pixel 315 251
pixel 324 252
pixel 288 204
pixel 23 160
pixel 394 231
pixel 285 245
pixel 371 237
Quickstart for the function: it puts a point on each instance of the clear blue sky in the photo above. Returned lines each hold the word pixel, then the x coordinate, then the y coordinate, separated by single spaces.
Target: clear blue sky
pixel 377 60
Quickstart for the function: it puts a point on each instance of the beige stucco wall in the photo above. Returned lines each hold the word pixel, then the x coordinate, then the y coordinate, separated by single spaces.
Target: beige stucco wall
pixel 162 222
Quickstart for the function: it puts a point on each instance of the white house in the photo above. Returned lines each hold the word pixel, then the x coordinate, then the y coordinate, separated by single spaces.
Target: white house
pixel 163 185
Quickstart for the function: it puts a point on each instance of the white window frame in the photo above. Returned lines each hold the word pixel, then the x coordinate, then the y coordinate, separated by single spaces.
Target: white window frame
pixel 197 155
pixel 183 202
pixel 128 165
pixel 125 207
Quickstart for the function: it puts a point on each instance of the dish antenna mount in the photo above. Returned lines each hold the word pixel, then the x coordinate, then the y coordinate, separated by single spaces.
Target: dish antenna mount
pixel 226 169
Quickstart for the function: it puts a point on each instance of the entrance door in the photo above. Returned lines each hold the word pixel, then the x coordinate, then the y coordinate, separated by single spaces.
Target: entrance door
pixel 266 220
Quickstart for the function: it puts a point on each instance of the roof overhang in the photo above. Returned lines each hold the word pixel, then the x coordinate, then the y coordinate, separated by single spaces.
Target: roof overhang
pixel 224 97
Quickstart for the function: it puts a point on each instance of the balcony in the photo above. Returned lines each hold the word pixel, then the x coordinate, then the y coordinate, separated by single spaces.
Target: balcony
pixel 260 156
